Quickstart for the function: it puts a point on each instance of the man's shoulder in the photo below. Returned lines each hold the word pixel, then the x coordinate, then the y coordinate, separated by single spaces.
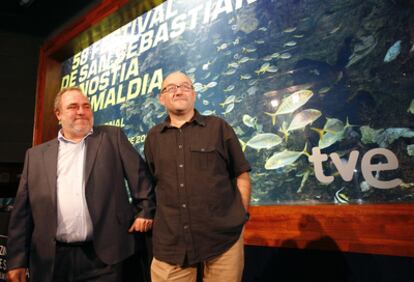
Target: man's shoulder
pixel 155 129
pixel 41 148
pixel 106 128
pixel 214 120
pixel 44 145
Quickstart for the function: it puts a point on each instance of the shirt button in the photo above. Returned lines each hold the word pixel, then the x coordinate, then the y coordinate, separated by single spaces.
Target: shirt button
pixel 180 146
pixel 185 226
pixel 181 184
pixel 181 165
pixel 184 206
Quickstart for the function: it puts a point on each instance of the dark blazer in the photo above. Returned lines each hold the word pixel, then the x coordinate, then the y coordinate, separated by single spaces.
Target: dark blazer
pixel 110 160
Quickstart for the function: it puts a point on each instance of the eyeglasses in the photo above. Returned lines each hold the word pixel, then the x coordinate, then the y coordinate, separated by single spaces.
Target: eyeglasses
pixel 172 88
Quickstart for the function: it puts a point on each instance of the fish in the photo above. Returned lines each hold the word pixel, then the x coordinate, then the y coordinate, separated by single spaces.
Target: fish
pixel 300 120
pixel 284 158
pixel 211 84
pixel 272 69
pixel 238 131
pixel 248 50
pixel 335 29
pixel 208 112
pixel 275 55
pixel 229 72
pixel 264 141
pixel 291 103
pixel 407 185
pixel 233 65
pixel 410 150
pixel 222 47
pixel 198 86
pixel 229 88
pixel 230 99
pixel 290 44
pixel 393 52
pixel 332 132
pixel 263 68
pixel 249 121
pixel 324 90
pixel 286 56
pixel 329 139
pixel 289 89
pixel 244 60
pixel 245 76
pixel 191 70
pixel 289 29
pixel 267 58
pixel 341 198
pixel 305 177
pixel 252 82
pixel 229 108
pixel 206 65
pixel 411 107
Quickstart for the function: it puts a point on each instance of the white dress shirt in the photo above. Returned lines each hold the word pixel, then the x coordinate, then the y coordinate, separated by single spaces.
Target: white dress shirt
pixel 74 221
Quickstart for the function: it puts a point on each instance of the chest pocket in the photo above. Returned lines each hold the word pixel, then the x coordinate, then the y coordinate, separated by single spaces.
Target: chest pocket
pixel 203 157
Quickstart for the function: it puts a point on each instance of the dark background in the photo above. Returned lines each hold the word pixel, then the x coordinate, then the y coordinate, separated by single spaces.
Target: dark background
pixel 24 26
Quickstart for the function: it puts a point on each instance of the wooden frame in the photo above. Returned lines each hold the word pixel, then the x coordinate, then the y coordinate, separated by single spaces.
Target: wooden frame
pixel 378 229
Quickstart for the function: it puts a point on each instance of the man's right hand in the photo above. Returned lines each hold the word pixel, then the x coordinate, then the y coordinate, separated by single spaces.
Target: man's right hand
pixel 16 275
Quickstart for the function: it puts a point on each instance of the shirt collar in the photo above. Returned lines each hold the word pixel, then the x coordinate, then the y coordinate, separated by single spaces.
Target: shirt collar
pixel 197 119
pixel 62 138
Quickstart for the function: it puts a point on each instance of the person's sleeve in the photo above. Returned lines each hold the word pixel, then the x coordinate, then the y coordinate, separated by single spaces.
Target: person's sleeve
pixel 236 159
pixel 20 224
pixel 137 175
pixel 148 155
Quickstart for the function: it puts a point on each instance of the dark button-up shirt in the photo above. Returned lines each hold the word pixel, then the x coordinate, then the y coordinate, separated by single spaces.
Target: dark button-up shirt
pixel 199 211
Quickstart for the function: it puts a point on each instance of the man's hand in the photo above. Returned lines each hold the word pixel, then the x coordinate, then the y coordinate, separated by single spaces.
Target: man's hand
pixel 16 275
pixel 141 225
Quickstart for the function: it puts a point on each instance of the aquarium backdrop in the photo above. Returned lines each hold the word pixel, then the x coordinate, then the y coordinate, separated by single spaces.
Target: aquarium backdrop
pixel 319 93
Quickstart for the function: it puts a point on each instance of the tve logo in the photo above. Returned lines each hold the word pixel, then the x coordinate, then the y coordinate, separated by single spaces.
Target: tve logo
pixel 346 169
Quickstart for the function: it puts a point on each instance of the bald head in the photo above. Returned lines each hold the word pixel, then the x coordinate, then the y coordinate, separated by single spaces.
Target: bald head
pixel 177 94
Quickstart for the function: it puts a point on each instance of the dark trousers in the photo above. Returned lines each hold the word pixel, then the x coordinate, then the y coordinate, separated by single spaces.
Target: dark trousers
pixel 78 262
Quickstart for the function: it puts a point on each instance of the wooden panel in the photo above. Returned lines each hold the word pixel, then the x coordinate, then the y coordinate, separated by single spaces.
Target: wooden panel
pixel 380 229
pixel 48 84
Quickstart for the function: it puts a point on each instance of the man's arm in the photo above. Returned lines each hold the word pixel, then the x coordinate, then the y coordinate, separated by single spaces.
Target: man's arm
pixel 243 184
pixel 20 225
pixel 139 182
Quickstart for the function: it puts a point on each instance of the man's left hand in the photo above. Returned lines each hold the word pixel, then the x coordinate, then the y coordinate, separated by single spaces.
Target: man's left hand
pixel 141 225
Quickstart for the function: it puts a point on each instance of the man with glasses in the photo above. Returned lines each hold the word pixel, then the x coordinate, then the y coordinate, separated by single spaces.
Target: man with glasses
pixel 202 189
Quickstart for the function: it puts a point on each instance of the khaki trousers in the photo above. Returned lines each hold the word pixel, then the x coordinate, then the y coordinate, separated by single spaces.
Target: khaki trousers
pixel 227 267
